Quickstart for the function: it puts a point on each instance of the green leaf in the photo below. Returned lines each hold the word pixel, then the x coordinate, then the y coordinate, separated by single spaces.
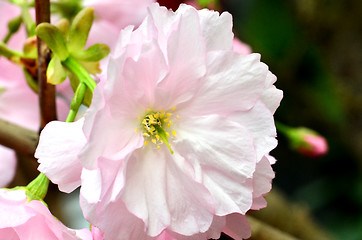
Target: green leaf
pixel 79 30
pixel 74 82
pixel 56 74
pixel 94 53
pixel 54 38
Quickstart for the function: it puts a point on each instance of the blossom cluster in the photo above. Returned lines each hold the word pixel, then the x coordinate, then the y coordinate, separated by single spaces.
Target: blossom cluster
pixel 176 142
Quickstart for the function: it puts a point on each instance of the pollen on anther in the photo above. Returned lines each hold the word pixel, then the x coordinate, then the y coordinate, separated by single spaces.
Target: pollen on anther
pixel 173 109
pixel 154 140
pixel 136 130
pixel 174 132
pixel 158 147
pixel 145 143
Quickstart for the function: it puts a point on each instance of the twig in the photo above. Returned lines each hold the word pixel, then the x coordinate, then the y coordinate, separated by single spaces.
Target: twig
pixel 46 91
pixel 263 231
pixel 292 218
pixel 20 139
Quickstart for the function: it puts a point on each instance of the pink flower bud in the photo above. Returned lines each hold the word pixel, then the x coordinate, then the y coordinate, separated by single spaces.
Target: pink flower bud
pixel 313 145
pixel 304 140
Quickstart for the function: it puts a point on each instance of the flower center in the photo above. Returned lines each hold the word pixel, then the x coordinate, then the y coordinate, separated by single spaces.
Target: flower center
pixel 157 126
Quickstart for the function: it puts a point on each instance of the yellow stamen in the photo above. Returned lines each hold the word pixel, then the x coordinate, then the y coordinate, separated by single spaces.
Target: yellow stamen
pixel 174 132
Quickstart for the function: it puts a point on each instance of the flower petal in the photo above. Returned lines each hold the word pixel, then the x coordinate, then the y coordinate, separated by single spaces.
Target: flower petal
pixel 7 166
pixel 234 82
pixel 156 189
pixel 57 152
pixel 221 153
pixel 260 123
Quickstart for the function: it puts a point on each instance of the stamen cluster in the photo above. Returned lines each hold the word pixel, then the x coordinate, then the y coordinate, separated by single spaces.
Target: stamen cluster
pixel 157 126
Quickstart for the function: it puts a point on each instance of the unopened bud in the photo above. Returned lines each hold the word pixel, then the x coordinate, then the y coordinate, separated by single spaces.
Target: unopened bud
pixel 305 140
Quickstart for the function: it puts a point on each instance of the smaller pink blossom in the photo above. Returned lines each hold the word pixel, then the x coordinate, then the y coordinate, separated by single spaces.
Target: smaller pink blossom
pixel 20 219
pixel 305 140
pixel 314 146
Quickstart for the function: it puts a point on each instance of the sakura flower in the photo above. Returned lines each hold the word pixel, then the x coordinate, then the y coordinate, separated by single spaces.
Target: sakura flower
pixel 20 219
pixel 175 144
pixel 113 15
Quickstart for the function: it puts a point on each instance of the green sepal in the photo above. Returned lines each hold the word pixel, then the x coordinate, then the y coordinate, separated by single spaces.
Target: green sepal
pixel 94 53
pixel 30 81
pixel 38 188
pixel 74 82
pixel 79 30
pixel 54 38
pixel 64 26
pixel 56 73
pixel 91 67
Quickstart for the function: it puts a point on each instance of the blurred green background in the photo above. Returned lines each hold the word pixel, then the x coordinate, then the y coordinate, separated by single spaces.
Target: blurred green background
pixel 314 47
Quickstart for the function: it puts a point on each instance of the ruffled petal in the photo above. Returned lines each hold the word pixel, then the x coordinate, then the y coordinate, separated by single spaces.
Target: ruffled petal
pixel 57 152
pixel 271 96
pixel 262 178
pixel 233 82
pixel 237 226
pixel 158 192
pixel 260 123
pixel 222 156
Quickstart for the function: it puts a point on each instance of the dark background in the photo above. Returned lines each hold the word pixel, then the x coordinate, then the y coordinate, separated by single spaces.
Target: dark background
pixel 314 47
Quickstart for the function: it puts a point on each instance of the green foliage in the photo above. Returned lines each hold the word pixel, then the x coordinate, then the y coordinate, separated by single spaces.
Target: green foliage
pixel 54 38
pixel 56 74
pixel 67 42
pixel 79 29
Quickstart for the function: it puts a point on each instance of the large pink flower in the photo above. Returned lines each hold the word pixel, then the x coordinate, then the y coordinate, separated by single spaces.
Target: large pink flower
pixel 20 219
pixel 176 142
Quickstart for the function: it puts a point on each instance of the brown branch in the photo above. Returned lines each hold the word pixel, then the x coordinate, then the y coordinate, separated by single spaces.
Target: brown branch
pixel 20 139
pixel 292 218
pixel 46 91
pixel 263 231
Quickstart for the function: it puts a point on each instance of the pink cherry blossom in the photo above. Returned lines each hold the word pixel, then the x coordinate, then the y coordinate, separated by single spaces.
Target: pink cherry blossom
pixel 20 219
pixel 175 144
